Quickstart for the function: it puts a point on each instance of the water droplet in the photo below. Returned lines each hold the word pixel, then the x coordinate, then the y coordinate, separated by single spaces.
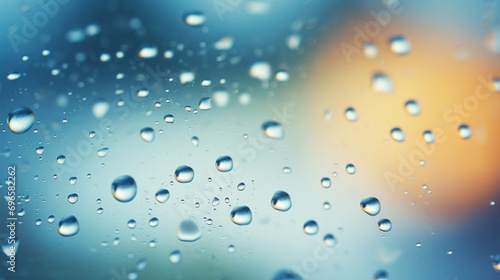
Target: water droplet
pixel 20 120
pixel 399 45
pixel 281 201
pixel 381 83
pixel 51 219
pixel 287 170
pixel 241 215
pixel 169 118
pixel 12 76
pixel 397 134
pixel 326 182
pixel 92 134
pixel 329 240
pixel 350 169
pixel 175 257
pixel 370 206
pixel 154 222
pixel 273 129
pixel 100 108
pixel 100 210
pixel 231 248
pixel 147 134
pixel 464 131
pixel 73 198
pixel 369 49
pixel 102 152
pixel 224 164
pixel 428 136
pixel 184 174
pixel 148 52
pixel 384 225
pixel 61 159
pixel 221 97
pixel 205 104
pixel 281 76
pixel 327 205
pixel 241 186
pixel 412 107
pixel 131 223
pixel 39 150
pixel 418 245
pixel 286 274
pixel 68 226
pixel 351 114
pixel 162 195
pixel 189 230
pixel 496 263
pixel 124 188
pixel 311 227
pixel 215 201
pixel 143 92
pixel 381 275
pixel 194 19
pixel 223 44
pixel 450 252
pixel 260 71
pixel 496 84
pixel 195 141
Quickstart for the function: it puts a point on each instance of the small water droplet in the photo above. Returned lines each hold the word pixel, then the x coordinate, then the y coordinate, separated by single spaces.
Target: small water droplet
pixel 61 159
pixel 369 49
pixel 418 244
pixel 224 164
pixel 241 186
pixel 100 108
pixel 12 76
pixel 100 210
pixel 311 227
pixel 370 206
pixel 231 248
pixel 350 169
pixel 148 52
pixel 496 263
pixel 20 120
pixel 143 92
pixel 381 83
pixel 281 76
pixel 68 226
pixel 273 129
pixel 329 240
pixel 397 134
pixel 215 201
pixel 195 141
pixel 40 150
pixel 351 114
pixel 281 201
pixel 38 222
pixel 384 225
pixel 241 215
pixel 194 19
pixel 175 257
pixel 327 205
pixel 124 188
pixel 399 45
pixel 326 182
pixel 286 274
pixel 287 170
pixel 189 230
pixel 184 174
pixel 169 118
pixel 428 137
pixel 450 252
pixel 464 131
pixel 162 195
pixel 205 104
pixel 260 71
pixel 131 223
pixel 102 152
pixel 73 198
pixel 147 134
pixel 381 275
pixel 153 222
pixel 412 107
pixel 51 219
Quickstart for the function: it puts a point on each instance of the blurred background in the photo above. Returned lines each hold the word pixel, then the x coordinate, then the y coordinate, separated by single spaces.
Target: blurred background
pixel 251 139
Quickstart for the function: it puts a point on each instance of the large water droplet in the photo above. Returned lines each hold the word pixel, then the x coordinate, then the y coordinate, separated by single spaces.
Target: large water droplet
pixel 73 198
pixel 12 76
pixel 131 223
pixel 241 215
pixel 399 45
pixel 124 188
pixel 261 71
pixel 224 164
pixel 68 226
pixel 162 195
pixel 281 201
pixel 273 129
pixel 194 19
pixel 175 257
pixel 169 118
pixel 311 227
pixel 384 225
pixel 412 107
pixel 154 222
pixel 397 134
pixel 464 131
pixel 350 169
pixel 189 230
pixel 496 263
pixel 20 120
pixel 370 206
pixel 381 83
pixel 351 114
pixel 184 174
pixel 205 104
pixel 147 134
